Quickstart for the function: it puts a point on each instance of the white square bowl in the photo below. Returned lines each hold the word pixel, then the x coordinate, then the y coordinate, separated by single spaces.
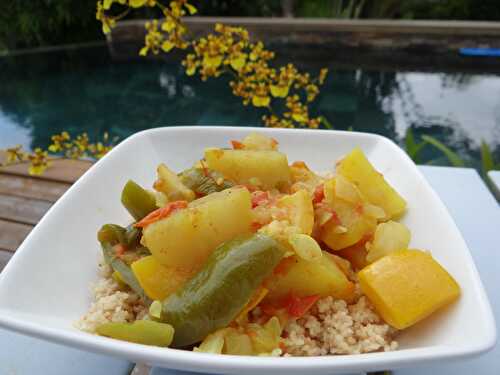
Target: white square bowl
pixel 45 287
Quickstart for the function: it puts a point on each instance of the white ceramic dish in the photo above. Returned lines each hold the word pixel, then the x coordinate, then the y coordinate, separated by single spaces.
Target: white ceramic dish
pixel 45 287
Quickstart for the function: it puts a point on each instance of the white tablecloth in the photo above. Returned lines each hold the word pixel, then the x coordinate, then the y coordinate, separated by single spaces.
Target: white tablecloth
pixel 475 211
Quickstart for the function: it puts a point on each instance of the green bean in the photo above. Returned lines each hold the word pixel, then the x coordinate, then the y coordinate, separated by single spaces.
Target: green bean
pixel 130 237
pixel 133 236
pixel 137 200
pixel 204 181
pixel 145 332
pixel 219 291
pixel 123 269
pixel 112 234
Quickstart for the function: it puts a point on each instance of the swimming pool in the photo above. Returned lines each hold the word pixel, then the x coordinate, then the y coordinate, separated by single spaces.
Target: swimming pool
pixel 85 90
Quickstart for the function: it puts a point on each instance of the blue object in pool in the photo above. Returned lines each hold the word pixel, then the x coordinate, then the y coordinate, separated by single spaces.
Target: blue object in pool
pixel 488 52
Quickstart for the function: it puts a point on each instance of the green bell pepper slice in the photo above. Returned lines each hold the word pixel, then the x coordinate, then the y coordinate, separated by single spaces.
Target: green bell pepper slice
pixel 219 291
pixel 137 200
pixel 204 181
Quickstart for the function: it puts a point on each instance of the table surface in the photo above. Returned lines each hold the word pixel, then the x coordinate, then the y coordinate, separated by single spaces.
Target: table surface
pixel 471 204
pixel 495 179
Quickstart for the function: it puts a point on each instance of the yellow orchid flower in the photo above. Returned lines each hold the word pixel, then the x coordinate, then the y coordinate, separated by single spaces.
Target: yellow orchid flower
pixel 279 91
pixel 238 61
pixel 137 3
pixel 191 9
pixel 261 101
pixel 168 25
pixel 167 46
pixel 212 61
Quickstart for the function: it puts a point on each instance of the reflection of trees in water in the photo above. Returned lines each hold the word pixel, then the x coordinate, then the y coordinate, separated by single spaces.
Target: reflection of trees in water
pixel 448 131
pixel 457 80
pixel 50 95
pixel 359 99
pixel 83 91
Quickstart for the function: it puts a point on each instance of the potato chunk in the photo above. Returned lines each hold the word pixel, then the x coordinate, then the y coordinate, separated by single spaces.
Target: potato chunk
pixel 407 286
pixel 303 278
pixel 350 224
pixel 356 168
pixel 257 141
pixel 159 281
pixel 300 209
pixel 265 169
pixel 389 237
pixel 170 184
pixel 188 237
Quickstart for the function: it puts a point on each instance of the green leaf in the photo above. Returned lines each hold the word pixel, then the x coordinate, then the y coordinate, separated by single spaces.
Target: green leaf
pixel 325 122
pixel 412 148
pixel 487 163
pixel 452 156
pixel 409 140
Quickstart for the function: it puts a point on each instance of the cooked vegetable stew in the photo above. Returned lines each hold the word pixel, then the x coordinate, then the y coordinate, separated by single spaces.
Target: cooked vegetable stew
pixel 231 254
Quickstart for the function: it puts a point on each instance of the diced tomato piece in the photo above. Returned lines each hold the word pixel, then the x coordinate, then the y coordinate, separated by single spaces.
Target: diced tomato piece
pixel 298 306
pixel 319 194
pixel 161 213
pixel 256 225
pixel 251 333
pixel 283 266
pixel 334 218
pixel 268 309
pixel 367 237
pixel 237 145
pixel 359 209
pixel 259 198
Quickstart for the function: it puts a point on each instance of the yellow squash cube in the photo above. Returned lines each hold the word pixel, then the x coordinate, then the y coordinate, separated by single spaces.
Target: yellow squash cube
pixel 187 237
pixel 356 168
pixel 264 169
pixel 158 281
pixel 407 286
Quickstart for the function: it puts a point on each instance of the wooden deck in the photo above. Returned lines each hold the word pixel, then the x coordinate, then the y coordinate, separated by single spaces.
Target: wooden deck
pixel 24 199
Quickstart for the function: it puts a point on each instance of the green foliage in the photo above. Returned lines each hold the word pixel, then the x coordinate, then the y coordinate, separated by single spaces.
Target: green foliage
pixel 485 10
pixel 326 123
pixel 452 156
pixel 487 159
pixel 330 8
pixel 238 8
pixel 488 164
pixel 27 23
pixel 412 147
pixel 396 9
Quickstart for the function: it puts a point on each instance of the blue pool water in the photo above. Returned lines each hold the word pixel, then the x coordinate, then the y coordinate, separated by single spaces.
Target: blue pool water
pixel 85 90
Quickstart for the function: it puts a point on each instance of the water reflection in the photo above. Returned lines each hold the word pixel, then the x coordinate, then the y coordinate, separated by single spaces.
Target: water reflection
pixel 468 105
pixel 84 91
